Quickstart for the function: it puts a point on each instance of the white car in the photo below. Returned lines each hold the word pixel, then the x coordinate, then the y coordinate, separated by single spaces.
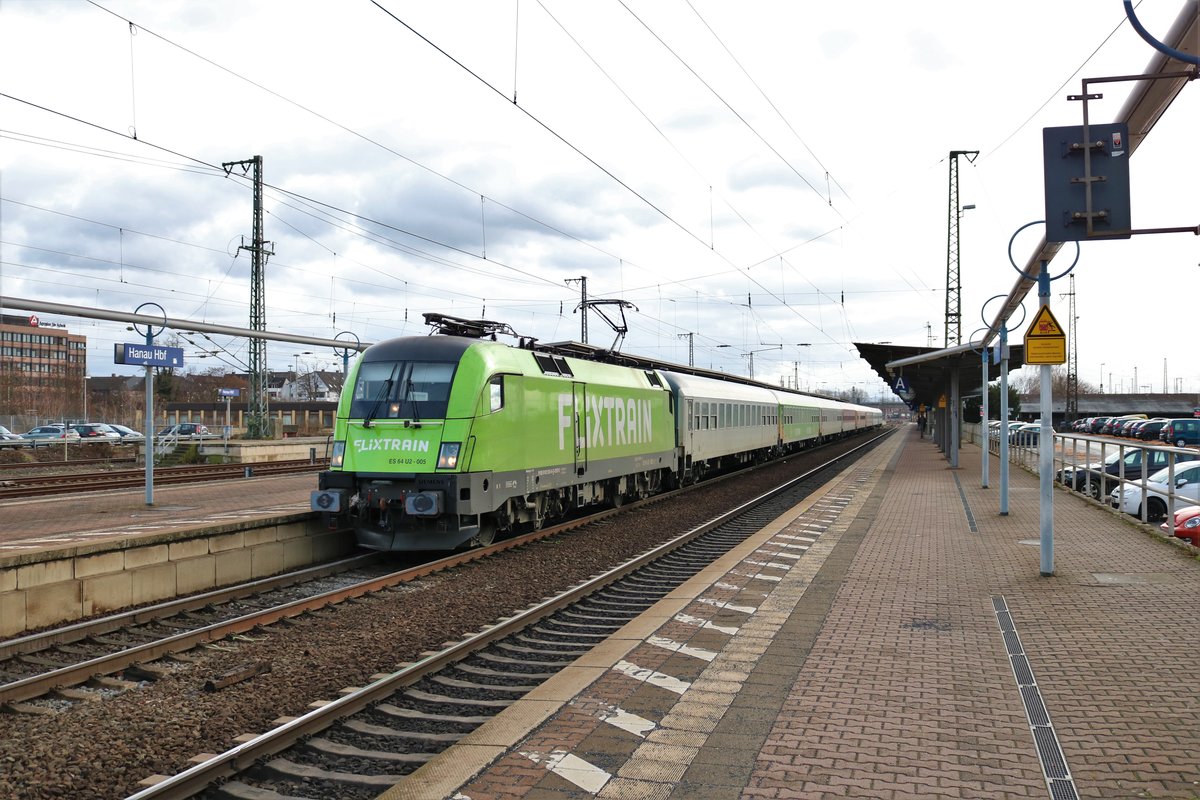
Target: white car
pixel 10 439
pixel 1128 498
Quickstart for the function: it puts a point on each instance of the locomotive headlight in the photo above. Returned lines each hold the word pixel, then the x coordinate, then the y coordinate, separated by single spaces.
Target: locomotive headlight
pixel 339 452
pixel 448 455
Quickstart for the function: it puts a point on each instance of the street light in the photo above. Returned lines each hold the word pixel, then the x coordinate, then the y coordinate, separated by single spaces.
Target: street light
pixel 296 369
pixel 1101 377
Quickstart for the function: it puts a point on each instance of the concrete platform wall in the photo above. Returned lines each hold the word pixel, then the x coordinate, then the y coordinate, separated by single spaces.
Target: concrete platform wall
pixel 50 588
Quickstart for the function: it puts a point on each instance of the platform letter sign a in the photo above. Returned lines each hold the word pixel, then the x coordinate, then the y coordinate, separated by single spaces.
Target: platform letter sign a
pixel 902 389
pixel 1066 183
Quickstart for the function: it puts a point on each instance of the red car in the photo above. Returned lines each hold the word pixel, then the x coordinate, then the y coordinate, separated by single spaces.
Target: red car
pixel 1185 525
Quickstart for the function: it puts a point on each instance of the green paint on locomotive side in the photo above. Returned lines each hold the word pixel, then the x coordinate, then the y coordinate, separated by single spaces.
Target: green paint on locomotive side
pixel 620 413
pixel 535 427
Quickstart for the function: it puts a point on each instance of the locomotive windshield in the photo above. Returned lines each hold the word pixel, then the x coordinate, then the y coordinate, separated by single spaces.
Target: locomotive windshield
pixel 402 390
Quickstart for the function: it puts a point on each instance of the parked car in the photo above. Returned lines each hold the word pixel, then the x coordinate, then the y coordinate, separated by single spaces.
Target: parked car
pixel 1105 476
pixel 1187 492
pixel 47 434
pixel 1149 431
pixel 96 432
pixel 1097 425
pixel 1129 429
pixel 1027 435
pixel 10 439
pixel 185 430
pixel 1181 432
pixel 1185 524
pixel 127 434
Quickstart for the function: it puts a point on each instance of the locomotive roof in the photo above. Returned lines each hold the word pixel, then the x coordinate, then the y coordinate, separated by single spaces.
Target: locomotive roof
pixel 419 348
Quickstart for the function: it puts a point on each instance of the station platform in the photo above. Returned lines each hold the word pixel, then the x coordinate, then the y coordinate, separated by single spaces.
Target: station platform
pixel 890 638
pixel 35 526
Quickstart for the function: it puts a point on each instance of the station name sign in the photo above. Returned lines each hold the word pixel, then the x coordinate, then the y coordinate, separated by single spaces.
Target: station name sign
pixel 147 355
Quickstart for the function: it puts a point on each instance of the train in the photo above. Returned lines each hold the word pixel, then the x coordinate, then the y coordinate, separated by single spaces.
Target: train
pixel 453 439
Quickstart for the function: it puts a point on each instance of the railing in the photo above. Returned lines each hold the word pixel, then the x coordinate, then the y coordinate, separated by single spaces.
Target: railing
pixel 1079 461
pixel 164 444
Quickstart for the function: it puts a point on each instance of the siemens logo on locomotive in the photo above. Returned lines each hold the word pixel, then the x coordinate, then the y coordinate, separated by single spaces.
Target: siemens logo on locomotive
pixel 391 444
pixel 610 420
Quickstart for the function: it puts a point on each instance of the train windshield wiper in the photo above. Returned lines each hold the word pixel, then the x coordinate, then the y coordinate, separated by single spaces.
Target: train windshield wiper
pixel 408 393
pixel 384 391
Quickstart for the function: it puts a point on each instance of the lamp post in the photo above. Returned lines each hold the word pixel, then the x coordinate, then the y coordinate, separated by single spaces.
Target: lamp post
pixel 1101 377
pixel 296 371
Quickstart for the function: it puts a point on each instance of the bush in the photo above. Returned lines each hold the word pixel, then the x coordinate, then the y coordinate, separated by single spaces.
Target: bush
pixel 96 450
pixel 16 455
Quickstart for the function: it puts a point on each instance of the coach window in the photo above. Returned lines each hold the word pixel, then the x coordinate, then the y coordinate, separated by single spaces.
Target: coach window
pixel 496 393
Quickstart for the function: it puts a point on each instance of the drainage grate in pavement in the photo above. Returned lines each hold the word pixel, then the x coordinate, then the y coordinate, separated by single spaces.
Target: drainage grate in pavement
pixel 1050 755
pixel 966 506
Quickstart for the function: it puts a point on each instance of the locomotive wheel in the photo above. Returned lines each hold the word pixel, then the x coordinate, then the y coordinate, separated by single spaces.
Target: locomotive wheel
pixel 486 535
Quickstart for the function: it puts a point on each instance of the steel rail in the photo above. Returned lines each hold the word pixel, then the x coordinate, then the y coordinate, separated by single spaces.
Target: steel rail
pixel 196 779
pixel 73 675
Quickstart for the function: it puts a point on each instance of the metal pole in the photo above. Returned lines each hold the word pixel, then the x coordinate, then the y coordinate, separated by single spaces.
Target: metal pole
pixel 1004 419
pixel 983 421
pixel 954 418
pixel 1046 446
pixel 149 422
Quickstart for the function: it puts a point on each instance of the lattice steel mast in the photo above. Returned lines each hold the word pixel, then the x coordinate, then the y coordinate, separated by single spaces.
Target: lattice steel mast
pixel 953 284
pixel 257 420
pixel 583 304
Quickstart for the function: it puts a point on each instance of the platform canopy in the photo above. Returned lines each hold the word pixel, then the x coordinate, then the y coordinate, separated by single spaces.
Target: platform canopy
pixel 926 370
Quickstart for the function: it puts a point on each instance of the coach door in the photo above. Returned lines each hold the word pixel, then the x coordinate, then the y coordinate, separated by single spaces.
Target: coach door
pixel 579 392
pixel 687 432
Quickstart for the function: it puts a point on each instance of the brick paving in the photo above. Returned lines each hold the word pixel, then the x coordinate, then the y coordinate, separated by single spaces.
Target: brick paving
pixel 887 660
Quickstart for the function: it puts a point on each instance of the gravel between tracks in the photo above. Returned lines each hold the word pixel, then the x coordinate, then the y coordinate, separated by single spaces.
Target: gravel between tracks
pixel 102 749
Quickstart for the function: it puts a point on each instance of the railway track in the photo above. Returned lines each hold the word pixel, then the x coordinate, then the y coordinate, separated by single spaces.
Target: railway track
pixel 79 657
pixel 95 481
pixel 371 737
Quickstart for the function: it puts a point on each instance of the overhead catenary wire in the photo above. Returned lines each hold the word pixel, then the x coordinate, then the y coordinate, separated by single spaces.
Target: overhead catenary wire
pixel 391 150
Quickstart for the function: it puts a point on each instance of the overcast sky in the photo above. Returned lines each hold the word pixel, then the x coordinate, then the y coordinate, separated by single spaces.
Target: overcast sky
pixel 752 173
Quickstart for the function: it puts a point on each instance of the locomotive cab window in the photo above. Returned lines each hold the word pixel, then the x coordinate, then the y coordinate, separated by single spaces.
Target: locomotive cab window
pixel 402 390
pixel 496 393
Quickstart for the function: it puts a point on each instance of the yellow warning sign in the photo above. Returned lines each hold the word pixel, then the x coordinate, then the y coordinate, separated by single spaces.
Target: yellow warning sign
pixel 1045 341
pixel 1044 324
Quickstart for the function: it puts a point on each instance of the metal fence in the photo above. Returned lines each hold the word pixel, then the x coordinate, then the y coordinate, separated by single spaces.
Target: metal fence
pixel 1095 466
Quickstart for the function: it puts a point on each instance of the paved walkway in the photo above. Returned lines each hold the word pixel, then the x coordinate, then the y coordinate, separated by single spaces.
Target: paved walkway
pixel 63 521
pixel 892 638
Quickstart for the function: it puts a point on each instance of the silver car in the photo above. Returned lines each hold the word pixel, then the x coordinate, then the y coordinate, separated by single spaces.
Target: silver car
pixel 51 434
pixel 127 434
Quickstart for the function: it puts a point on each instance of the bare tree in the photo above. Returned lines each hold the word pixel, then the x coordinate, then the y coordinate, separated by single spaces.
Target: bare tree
pixel 1028 380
